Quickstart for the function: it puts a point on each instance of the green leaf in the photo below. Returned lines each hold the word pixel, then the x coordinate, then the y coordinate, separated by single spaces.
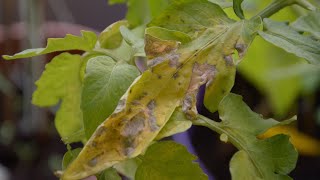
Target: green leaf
pixel 133 40
pixel 111 37
pixel 241 167
pixel 271 158
pixel 285 37
pixel 85 43
pixel 113 43
pixel 142 11
pixel 69 156
pixel 74 137
pixel 61 82
pixel 168 160
pixel 110 174
pixel 309 23
pixel 177 123
pixel 128 167
pixel 237 8
pixel 104 83
pixel 85 58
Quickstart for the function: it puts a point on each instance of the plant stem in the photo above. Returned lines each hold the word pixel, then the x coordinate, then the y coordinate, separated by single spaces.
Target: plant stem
pixel 277 5
pixel 215 126
pixel 274 7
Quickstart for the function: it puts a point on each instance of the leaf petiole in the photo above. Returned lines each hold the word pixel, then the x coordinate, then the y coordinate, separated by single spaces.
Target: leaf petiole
pixel 209 123
pixel 277 5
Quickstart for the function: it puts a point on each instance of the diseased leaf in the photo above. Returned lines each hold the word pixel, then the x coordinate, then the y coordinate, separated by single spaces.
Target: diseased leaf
pixel 111 37
pixel 285 37
pixel 176 71
pixel 271 158
pixel 229 38
pixel 237 8
pixel 109 174
pixel 168 160
pixel 191 17
pixel 85 43
pixel 177 123
pixel 222 3
pixel 167 34
pixel 61 82
pixel 104 83
pixel 69 156
pixel 309 23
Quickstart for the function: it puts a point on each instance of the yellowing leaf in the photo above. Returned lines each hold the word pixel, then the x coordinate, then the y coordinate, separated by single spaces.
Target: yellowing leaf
pixel 61 82
pixel 177 123
pixel 70 42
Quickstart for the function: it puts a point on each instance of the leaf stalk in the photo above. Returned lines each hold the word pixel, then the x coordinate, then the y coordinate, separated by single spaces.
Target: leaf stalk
pixel 277 5
pixel 209 123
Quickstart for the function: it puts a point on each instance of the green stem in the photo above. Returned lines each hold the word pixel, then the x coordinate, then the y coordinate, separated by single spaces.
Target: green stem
pixel 206 122
pixel 232 138
pixel 277 5
pixel 274 7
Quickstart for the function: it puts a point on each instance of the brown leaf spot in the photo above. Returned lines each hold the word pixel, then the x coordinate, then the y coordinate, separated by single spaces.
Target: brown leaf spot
pixel 101 130
pixel 134 126
pixel 229 60
pixel 241 48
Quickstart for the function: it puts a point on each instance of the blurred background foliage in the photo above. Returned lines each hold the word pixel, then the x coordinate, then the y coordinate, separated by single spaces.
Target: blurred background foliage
pixel 273 82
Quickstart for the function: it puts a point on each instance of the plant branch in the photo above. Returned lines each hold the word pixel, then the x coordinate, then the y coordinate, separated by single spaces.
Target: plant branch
pixel 206 122
pixel 274 7
pixel 277 5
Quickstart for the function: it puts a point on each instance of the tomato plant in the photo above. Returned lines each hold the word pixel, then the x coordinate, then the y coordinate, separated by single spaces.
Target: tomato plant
pixel 137 82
